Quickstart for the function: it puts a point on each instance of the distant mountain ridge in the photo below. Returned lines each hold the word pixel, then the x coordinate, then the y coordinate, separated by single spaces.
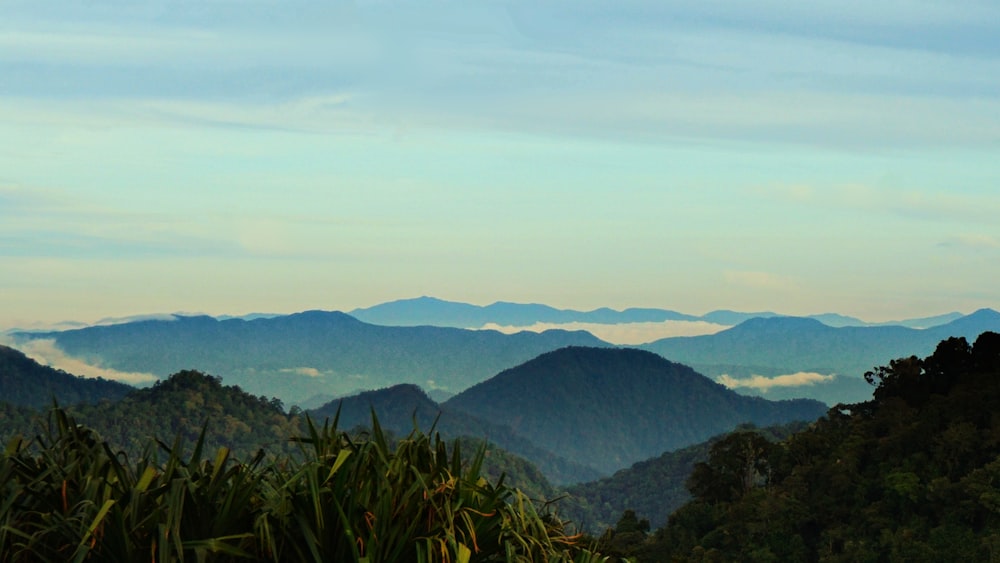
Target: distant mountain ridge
pixel 439 312
pixel 295 357
pixel 785 345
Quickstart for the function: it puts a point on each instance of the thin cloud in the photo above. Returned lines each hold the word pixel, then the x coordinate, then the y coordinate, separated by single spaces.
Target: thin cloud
pixel 306 371
pixel 788 75
pixel 763 384
pixel 45 351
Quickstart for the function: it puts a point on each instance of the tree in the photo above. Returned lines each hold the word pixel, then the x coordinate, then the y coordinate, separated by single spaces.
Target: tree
pixel 737 464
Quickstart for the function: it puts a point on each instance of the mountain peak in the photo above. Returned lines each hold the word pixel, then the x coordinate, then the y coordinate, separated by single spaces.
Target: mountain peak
pixel 971 325
pixel 618 401
pixel 984 313
pixel 317 315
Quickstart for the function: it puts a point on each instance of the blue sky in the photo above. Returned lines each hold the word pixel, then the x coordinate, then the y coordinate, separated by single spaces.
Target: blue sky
pixel 229 157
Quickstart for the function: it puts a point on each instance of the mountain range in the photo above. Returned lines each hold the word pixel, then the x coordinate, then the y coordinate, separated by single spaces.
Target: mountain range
pixel 296 357
pixel 787 345
pixel 311 357
pixel 438 312
pixel 619 406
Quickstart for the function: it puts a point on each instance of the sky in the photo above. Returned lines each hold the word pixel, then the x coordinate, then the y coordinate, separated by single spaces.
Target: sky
pixel 230 157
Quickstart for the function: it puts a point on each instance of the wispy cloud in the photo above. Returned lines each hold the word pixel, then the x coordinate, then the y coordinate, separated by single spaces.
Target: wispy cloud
pixel 306 371
pixel 45 351
pixel 757 70
pixel 764 384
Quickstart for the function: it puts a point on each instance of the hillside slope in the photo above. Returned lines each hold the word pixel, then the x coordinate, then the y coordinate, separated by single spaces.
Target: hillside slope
pixel 25 382
pixel 609 408
pixel 651 488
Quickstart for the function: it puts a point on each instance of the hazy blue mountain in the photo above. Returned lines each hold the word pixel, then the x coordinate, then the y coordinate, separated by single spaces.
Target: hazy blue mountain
pixel 437 312
pixel 785 345
pixel 298 356
pixel 924 322
pixel 838 320
pixel 970 326
pixel 25 382
pixel 611 407
pixel 835 319
pixel 401 406
pixel 730 318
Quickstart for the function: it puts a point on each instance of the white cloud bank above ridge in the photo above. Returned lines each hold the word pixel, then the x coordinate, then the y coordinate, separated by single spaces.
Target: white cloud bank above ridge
pixel 45 351
pixel 623 333
pixel 306 371
pixel 763 384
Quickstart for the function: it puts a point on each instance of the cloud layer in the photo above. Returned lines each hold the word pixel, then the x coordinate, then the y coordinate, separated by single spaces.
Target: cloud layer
pixel 45 351
pixel 306 371
pixel 763 384
pixel 624 333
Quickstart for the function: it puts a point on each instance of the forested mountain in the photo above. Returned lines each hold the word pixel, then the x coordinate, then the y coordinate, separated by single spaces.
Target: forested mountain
pixel 188 402
pixel 25 382
pixel 909 476
pixel 786 345
pixel 298 356
pixel 399 407
pixel 185 403
pixel 610 407
pixel 651 488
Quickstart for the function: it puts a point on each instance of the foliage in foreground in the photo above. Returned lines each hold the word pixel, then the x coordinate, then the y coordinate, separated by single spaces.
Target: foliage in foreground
pixel 913 475
pixel 70 497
